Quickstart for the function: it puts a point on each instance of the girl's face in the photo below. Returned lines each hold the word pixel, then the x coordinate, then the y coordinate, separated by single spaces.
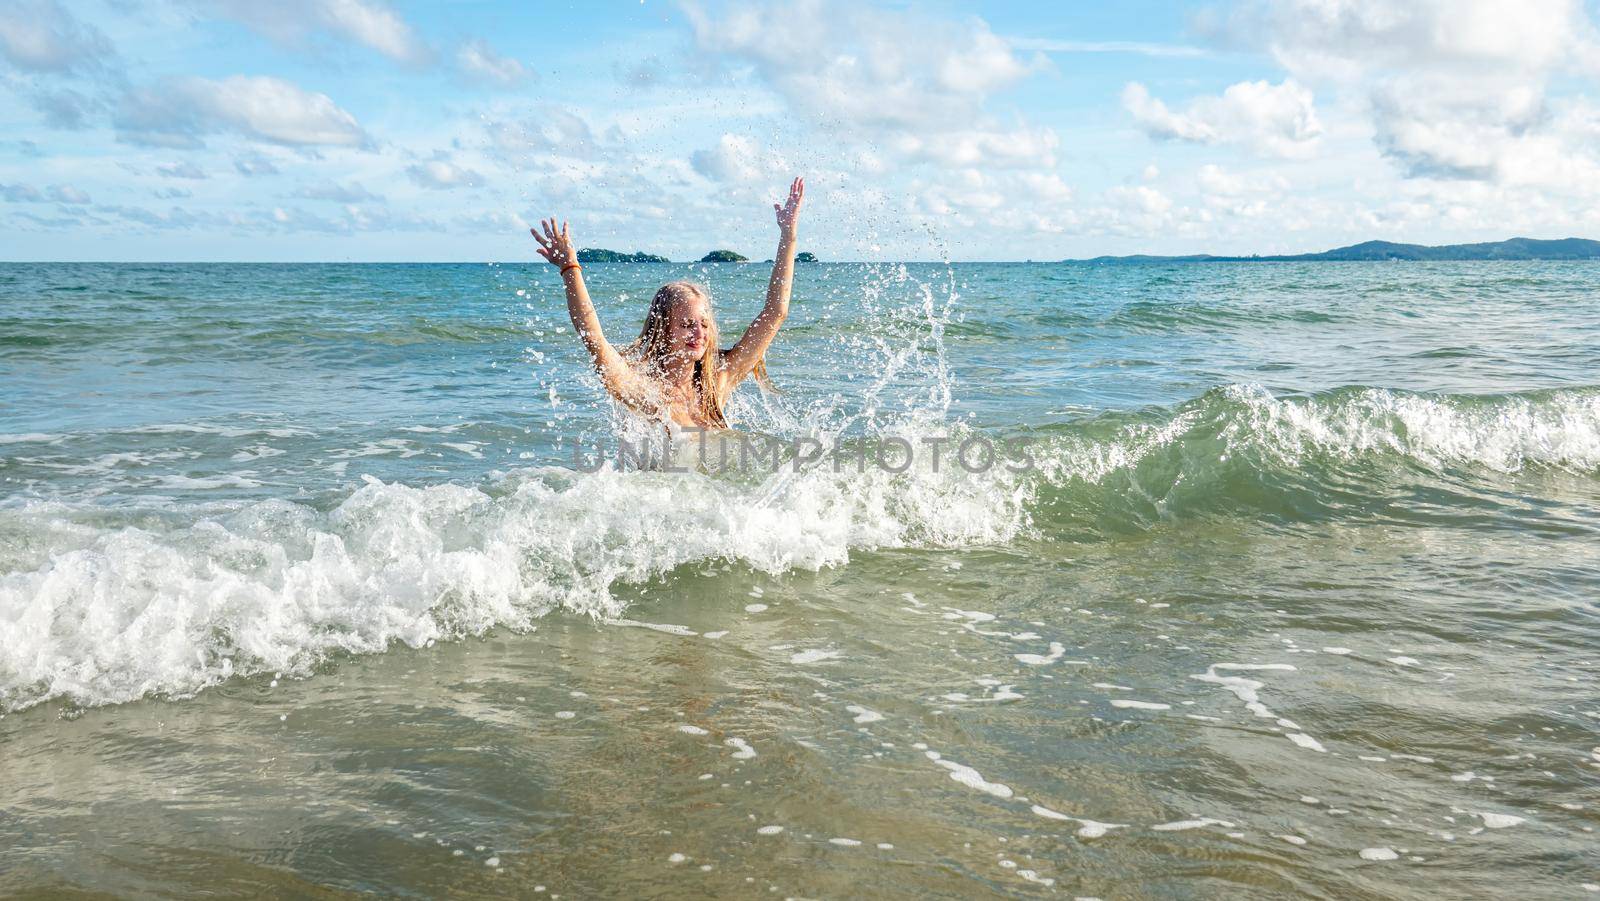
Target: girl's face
pixel 689 327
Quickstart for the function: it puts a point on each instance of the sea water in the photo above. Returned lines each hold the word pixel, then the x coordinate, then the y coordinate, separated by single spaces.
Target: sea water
pixel 326 578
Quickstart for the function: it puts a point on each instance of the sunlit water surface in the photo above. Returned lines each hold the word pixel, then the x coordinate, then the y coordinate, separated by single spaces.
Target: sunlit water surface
pixel 303 590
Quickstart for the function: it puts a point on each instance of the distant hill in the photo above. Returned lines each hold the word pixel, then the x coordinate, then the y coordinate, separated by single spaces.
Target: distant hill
pixel 601 255
pixel 723 256
pixel 1514 249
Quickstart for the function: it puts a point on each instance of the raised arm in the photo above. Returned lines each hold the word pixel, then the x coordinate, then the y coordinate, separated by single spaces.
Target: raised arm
pixel 747 353
pixel 555 245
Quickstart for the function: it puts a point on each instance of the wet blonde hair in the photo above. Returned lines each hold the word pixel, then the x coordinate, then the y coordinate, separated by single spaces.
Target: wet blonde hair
pixel 651 348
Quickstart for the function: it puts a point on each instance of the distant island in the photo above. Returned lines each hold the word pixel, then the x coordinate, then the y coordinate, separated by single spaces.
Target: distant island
pixel 1514 249
pixel 723 256
pixel 601 255
pixel 805 256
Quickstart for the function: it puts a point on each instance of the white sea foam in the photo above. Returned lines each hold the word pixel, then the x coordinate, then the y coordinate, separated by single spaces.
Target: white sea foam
pixel 1086 828
pixel 107 612
pixel 1246 690
pixel 1129 704
pixel 110 610
pixel 1306 741
pixel 970 777
pixel 30 438
pixel 1033 876
pixel 669 628
pixel 201 428
pixel 864 715
pixel 1056 650
pixel 1196 823
pixel 1506 434
pixel 225 480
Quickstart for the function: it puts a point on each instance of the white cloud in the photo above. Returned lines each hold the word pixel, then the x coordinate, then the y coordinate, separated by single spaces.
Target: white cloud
pixel 1216 181
pixel 47 46
pixel 1023 147
pixel 63 108
pixel 175 217
pixel 1240 194
pixel 180 112
pixel 379 218
pixel 41 36
pixel 67 194
pixel 996 201
pixel 254 164
pixel 913 82
pixel 1141 199
pixel 1509 133
pixel 739 160
pixel 1133 211
pixel 1455 89
pixel 373 24
pixel 21 194
pixel 479 60
pixel 491 221
pixel 368 22
pixel 1347 39
pixel 353 192
pixel 443 175
pixel 185 169
pixel 551 130
pixel 648 72
pixel 1136 48
pixel 1276 120
pixel 349 219
pixel 296 219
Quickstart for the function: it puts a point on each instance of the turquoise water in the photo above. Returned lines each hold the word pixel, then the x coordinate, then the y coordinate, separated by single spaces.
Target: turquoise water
pixel 303 587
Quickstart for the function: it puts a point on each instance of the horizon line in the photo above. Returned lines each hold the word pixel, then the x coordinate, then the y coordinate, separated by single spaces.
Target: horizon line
pixel 1171 257
pixel 1152 258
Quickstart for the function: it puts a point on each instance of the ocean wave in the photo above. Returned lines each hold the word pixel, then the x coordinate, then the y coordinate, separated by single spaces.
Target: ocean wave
pixel 1162 317
pixel 1241 449
pixel 1504 433
pixel 108 604
pixel 166 602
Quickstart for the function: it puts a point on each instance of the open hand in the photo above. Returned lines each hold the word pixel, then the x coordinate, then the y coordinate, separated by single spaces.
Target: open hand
pixel 555 244
pixel 789 211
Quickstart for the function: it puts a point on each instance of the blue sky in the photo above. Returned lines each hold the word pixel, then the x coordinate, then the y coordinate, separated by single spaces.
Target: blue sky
pixel 389 130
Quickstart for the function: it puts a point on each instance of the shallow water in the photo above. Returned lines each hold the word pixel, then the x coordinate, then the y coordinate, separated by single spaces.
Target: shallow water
pixel 303 592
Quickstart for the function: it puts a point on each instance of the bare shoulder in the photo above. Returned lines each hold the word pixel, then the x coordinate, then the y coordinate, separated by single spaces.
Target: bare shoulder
pixel 631 383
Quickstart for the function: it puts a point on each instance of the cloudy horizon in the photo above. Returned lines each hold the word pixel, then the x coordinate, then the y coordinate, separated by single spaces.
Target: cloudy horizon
pixel 384 131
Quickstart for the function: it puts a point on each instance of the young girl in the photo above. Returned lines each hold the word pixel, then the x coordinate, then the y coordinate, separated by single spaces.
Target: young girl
pixel 675 371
